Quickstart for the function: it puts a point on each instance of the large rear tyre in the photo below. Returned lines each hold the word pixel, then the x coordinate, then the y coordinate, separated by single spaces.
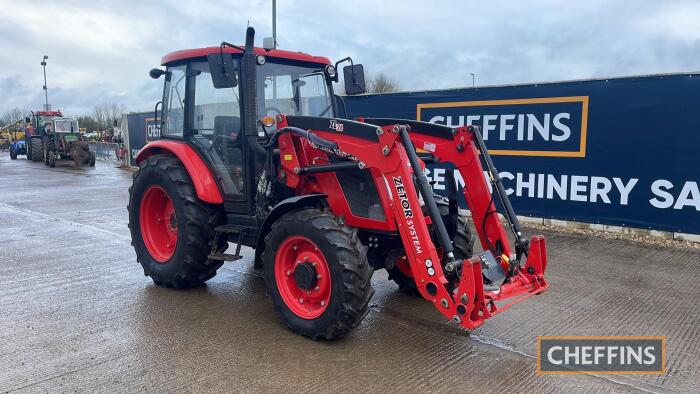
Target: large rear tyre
pixel 172 230
pixel 36 146
pixel 463 242
pixel 317 274
pixel 91 161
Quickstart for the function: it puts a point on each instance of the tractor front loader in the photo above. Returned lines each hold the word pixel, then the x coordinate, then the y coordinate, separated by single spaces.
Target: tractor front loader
pixel 253 153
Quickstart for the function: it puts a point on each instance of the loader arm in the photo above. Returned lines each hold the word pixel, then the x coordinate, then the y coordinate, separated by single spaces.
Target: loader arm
pixel 387 145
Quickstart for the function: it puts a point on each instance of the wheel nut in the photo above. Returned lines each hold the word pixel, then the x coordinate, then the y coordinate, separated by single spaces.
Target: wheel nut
pixel 301 300
pixel 444 303
pixel 289 272
pixel 294 247
pixel 323 303
pixel 316 288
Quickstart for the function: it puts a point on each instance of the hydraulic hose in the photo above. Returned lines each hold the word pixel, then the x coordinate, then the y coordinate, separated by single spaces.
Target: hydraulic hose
pixel 429 199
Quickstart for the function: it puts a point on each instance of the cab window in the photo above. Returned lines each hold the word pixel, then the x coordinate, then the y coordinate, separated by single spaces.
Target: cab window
pixel 174 101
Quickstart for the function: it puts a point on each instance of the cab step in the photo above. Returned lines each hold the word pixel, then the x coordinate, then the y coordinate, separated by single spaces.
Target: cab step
pixel 225 257
pixel 225 230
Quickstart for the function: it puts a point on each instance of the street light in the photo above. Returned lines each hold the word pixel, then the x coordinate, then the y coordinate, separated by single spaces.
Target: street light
pixel 473 84
pixel 46 90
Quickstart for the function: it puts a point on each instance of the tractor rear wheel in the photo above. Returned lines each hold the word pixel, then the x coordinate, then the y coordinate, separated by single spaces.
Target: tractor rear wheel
pixel 37 148
pixel 317 274
pixel 172 230
pixel 463 242
pixel 91 160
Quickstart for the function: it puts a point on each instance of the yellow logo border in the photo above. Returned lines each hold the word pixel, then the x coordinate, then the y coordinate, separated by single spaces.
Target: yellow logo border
pixel 543 100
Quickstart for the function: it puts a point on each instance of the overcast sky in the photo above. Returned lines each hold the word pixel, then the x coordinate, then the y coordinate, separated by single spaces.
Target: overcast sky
pixel 101 51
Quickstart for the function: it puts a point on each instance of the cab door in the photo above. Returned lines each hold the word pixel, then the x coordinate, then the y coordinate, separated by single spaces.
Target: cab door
pixel 209 120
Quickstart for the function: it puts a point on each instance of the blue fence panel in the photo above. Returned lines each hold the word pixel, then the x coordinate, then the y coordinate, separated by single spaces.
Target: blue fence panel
pixel 620 151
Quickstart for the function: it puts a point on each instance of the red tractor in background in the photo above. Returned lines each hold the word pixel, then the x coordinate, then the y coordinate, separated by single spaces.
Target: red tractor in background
pixel 253 153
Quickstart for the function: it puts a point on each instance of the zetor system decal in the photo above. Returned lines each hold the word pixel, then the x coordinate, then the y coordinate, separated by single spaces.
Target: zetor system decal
pixel 407 213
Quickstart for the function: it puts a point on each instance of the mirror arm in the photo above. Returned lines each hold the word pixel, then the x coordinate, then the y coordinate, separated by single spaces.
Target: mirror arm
pixel 351 64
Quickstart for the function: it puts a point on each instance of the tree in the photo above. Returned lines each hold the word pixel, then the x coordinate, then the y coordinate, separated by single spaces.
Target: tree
pixel 382 83
pixel 105 116
pixel 88 122
pixel 11 116
pixel 378 83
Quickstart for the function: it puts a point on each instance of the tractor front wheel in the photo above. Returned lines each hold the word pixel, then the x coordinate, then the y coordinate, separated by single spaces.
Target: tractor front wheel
pixel 51 159
pixel 317 274
pixel 172 230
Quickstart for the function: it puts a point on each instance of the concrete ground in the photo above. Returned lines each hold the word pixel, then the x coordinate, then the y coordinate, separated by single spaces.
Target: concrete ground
pixel 76 312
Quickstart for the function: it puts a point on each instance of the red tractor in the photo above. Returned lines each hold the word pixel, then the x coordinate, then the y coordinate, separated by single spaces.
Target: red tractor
pixel 253 153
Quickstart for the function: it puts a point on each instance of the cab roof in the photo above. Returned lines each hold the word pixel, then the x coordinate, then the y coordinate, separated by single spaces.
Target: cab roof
pixel 278 53
pixel 48 113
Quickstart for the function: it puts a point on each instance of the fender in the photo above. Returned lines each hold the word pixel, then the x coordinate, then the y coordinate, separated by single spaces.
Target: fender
pixel 204 183
pixel 284 206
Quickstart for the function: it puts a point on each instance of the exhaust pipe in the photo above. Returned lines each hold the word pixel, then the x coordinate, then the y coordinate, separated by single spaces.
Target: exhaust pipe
pixel 250 109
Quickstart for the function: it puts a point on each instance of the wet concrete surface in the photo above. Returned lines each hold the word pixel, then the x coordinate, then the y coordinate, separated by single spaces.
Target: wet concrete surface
pixel 77 314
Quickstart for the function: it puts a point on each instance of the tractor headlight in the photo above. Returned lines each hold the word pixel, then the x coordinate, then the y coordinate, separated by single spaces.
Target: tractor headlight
pixel 330 70
pixel 260 59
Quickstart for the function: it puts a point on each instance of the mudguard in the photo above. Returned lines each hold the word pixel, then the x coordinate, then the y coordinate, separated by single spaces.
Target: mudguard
pixel 204 182
pixel 284 206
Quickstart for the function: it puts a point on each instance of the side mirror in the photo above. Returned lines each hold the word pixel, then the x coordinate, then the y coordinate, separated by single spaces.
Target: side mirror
pixel 156 73
pixel 223 70
pixel 354 76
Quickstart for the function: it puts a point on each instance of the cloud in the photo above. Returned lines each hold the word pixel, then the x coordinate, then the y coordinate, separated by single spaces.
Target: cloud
pixel 101 51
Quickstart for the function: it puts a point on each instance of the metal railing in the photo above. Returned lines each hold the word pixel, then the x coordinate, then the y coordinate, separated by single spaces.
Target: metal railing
pixel 108 151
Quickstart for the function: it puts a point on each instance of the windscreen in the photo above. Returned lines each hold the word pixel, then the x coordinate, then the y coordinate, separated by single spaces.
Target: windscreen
pixel 293 90
pixel 65 125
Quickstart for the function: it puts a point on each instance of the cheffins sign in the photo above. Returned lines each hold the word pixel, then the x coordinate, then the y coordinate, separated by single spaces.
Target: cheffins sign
pixel 551 126
pixel 615 151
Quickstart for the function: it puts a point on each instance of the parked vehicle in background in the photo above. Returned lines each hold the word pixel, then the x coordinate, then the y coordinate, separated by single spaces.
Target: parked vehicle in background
pixel 63 141
pixel 35 129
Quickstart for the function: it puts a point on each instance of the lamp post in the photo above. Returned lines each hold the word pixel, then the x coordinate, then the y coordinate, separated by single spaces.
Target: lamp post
pixel 473 84
pixel 46 90
pixel 274 23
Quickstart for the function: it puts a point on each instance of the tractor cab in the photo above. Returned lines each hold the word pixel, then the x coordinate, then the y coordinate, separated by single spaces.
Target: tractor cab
pixel 205 97
pixel 66 129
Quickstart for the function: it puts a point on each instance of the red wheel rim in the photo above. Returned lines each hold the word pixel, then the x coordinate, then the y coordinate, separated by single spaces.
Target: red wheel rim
pixel 294 252
pixel 158 223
